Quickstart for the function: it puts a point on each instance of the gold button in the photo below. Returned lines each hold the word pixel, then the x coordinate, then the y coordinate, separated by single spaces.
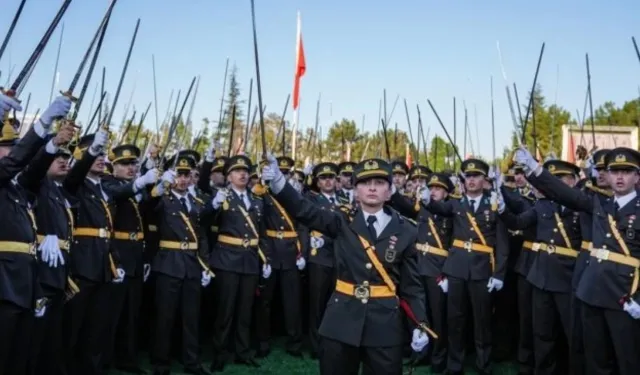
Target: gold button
pixel 608 235
pixel 365 283
pixel 368 265
pixel 364 300
pixel 551 241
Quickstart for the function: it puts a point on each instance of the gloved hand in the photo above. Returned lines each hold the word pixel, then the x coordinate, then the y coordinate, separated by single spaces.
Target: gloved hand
pixel 150 163
pixel 7 104
pixel 523 157
pixel 300 263
pixel 206 279
pixel 271 172
pixel 444 284
pixel 494 284
pixel 316 242
pixel 296 184
pixel 50 251
pixel 308 169
pixel 210 155
pixel 266 271
pixel 632 308
pixel 59 108
pixel 120 276
pixel 41 308
pixel 99 141
pixel 220 197
pixel 498 200
pixel 419 340
pixel 169 177
pixel 148 178
pixel 425 196
pixel 147 271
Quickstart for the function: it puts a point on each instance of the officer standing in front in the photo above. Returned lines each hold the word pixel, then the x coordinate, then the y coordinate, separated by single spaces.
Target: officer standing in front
pixel 376 269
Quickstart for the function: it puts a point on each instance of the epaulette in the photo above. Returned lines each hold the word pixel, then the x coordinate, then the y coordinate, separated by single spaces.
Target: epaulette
pixel 455 196
pixel 589 185
pixel 410 221
pixel 198 200
pixel 255 196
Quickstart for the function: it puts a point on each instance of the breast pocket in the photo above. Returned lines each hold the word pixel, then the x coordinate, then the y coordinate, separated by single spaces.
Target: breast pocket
pixel 629 230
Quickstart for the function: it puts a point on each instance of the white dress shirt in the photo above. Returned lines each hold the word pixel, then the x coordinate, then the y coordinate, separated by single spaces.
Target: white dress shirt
pixel 97 182
pixel 247 202
pixel 66 202
pixel 623 200
pixel 330 197
pixel 186 199
pixel 382 219
pixel 476 202
pixel 349 194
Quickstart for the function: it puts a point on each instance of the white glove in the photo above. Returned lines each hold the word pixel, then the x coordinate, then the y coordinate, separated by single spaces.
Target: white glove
pixel 148 178
pixel 147 271
pixel 588 164
pixel 210 154
pixel 39 311
pixel 120 276
pixel 220 197
pixel 206 279
pixel 301 263
pixel 425 196
pixel 308 169
pixel 632 308
pixel 59 108
pixel 50 251
pixel 150 164
pixel 7 104
pixel 169 177
pixel 316 242
pixel 419 340
pixel 99 141
pixel 444 285
pixel 296 185
pixel 272 173
pixel 266 271
pixel 498 200
pixel 494 284
pixel 594 173
pixel 523 157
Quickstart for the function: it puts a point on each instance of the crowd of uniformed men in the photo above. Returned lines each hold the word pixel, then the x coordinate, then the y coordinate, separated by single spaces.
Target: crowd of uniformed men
pixel 374 257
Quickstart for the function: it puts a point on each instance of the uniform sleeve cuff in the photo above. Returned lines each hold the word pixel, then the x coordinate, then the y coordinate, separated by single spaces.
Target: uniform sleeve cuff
pixel 50 147
pixel 40 130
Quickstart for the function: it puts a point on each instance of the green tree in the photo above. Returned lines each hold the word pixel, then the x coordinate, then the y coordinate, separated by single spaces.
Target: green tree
pixel 232 100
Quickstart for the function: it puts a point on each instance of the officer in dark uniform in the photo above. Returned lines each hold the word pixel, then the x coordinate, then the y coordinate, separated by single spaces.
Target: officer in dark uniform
pixel 376 262
pixel 236 258
pixel 128 241
pixel 608 285
pixel 20 293
pixel 320 257
pixel 434 240
pixel 179 266
pixel 521 249
pixel 253 176
pixel 94 263
pixel 345 191
pixel 55 221
pixel 419 174
pixel 286 261
pixel 400 171
pixel 557 244
pixel 476 264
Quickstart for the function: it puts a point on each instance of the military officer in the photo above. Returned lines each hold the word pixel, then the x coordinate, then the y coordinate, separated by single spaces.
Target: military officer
pixel 236 257
pixel 94 265
pixel 20 293
pixel 434 240
pixel 362 323
pixel 419 174
pixel 180 266
pixel 476 264
pixel 286 260
pixel 128 193
pixel 608 285
pixel 400 171
pixel 557 244
pixel 345 185
pixel 320 257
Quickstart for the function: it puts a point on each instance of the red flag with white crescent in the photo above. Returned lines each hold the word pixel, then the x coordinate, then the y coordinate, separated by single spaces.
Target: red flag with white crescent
pixel 301 66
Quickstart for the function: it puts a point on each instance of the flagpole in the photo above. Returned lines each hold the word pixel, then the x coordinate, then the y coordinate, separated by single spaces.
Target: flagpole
pixel 299 71
pixel 294 132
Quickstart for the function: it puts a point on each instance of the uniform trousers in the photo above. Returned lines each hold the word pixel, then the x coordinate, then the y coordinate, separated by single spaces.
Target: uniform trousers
pixel 576 342
pixel 46 337
pixel 505 318
pixel 551 318
pixel 464 296
pixel 126 301
pixel 611 341
pixel 322 282
pixel 235 293
pixel 14 322
pixel 437 310
pixel 525 326
pixel 86 321
pixel 338 358
pixel 288 282
pixel 173 295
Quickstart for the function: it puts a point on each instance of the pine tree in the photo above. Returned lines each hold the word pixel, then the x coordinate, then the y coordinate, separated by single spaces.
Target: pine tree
pixel 233 99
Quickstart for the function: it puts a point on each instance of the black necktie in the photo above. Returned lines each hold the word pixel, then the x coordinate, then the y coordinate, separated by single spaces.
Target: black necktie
pixel 372 231
pixel 616 207
pixel 184 205
pixel 332 200
pixel 472 202
pixel 244 203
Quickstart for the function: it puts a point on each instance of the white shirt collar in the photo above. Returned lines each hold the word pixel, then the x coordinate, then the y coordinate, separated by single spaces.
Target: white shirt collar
pixel 96 182
pixel 329 197
pixel 382 219
pixel 623 200
pixel 238 191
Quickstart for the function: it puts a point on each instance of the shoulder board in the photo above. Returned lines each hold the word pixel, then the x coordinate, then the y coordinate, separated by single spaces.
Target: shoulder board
pixel 198 200
pixel 455 196
pixel 254 196
pixel 589 185
pixel 408 220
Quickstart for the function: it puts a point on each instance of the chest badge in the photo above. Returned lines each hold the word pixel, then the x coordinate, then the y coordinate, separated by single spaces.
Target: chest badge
pixel 390 253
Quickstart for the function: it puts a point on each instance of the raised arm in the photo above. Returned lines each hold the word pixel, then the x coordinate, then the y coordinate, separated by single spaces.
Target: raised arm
pixel 514 201
pixel 404 205
pixel 31 177
pixel 522 220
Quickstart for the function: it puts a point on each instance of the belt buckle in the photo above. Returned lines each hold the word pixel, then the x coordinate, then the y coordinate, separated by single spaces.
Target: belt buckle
pixel 32 248
pixel 64 245
pixel 427 248
pixel 535 246
pixel 361 292
pixel 467 245
pixel 184 245
pixel 279 235
pixel 246 243
pixel 602 254
pixel 102 233
pixel 551 249
pixel 133 236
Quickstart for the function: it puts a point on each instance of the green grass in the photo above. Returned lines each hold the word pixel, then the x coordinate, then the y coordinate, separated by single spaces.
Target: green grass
pixel 279 363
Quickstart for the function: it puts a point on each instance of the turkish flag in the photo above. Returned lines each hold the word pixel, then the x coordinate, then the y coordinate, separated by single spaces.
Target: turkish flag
pixel 301 66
